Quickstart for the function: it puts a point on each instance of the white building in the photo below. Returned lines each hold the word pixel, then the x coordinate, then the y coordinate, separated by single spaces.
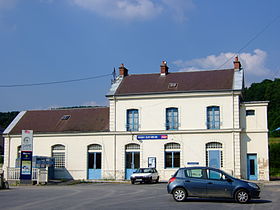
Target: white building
pixel 165 119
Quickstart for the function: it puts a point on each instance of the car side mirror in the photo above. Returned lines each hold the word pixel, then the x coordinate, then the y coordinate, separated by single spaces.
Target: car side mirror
pixel 229 180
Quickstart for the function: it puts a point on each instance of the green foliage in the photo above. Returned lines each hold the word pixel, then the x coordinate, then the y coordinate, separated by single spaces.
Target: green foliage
pixel 267 90
pixel 6 118
pixel 274 159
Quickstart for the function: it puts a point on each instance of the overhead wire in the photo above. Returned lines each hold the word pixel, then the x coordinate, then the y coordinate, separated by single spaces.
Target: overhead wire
pixel 251 40
pixel 54 82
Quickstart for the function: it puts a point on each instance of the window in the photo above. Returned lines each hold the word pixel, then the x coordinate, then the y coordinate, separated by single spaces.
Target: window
pixel 214 154
pixel 94 147
pixel 213 117
pixel 19 151
pixel 172 119
pixel 132 121
pixel 172 155
pixel 58 153
pixel 195 173
pixel 216 175
pixel 250 112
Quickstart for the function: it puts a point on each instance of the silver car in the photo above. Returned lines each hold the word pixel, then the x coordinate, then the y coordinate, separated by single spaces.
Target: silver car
pixel 145 175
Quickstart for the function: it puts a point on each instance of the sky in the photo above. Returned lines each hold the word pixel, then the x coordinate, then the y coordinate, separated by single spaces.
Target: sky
pixel 44 41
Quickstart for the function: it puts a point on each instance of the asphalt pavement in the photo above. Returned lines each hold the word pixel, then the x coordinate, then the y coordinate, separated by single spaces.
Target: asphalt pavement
pixel 122 196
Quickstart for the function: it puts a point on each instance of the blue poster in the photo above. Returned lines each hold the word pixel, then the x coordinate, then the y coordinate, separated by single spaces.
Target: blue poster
pixel 26 165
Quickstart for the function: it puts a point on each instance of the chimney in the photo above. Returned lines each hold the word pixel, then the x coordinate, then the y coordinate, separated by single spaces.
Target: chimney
pixel 123 71
pixel 163 68
pixel 236 64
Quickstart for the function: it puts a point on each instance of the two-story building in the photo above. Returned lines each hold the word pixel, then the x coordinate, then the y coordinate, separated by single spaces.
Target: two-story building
pixel 165 120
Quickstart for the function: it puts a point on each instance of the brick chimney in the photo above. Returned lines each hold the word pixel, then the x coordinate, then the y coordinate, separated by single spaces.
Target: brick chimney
pixel 236 64
pixel 163 68
pixel 123 71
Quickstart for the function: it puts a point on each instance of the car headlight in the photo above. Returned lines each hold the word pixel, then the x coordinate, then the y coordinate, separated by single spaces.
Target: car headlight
pixel 253 185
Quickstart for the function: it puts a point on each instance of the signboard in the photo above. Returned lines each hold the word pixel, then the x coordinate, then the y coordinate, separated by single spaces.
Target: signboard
pixel 151 137
pixel 151 162
pixel 27 140
pixel 26 155
pixel 193 163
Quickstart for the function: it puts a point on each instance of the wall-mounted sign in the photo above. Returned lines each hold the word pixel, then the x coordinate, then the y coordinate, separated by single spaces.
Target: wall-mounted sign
pixel 151 137
pixel 193 163
pixel 27 140
pixel 152 162
pixel 26 155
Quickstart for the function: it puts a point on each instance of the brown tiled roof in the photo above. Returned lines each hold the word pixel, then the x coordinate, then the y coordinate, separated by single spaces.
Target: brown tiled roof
pixel 50 121
pixel 215 80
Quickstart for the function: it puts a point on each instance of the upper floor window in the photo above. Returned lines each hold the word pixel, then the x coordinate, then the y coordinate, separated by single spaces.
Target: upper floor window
pixel 250 112
pixel 132 121
pixel 213 117
pixel 172 119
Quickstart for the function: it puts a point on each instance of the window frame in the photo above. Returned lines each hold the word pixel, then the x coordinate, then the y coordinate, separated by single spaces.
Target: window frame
pixel 132 124
pixel 59 161
pixel 173 149
pixel 172 122
pixel 211 112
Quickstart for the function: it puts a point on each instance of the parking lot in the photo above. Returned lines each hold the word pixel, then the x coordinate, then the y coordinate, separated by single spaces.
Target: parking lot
pixel 121 196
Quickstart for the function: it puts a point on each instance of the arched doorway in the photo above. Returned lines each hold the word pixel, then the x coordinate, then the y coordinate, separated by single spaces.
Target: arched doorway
pixel 132 159
pixel 94 161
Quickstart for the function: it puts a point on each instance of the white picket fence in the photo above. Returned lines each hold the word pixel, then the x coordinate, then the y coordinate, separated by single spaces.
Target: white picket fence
pixel 38 174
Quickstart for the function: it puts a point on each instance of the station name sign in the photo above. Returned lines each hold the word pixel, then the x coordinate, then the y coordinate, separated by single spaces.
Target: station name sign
pixel 151 137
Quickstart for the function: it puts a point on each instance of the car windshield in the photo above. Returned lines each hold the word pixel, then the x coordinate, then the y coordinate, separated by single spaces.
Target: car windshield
pixel 144 170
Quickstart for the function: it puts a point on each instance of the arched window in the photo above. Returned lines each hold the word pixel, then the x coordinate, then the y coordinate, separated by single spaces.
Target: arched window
pixel 132 147
pixel 214 154
pixel 213 117
pixel 172 155
pixel 95 147
pixel 58 153
pixel 19 151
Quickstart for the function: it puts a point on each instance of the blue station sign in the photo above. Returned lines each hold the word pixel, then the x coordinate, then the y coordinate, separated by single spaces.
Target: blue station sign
pixel 151 137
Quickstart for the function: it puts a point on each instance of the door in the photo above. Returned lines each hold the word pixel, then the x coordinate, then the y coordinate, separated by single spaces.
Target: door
pixel 94 165
pixel 214 158
pixel 196 182
pixel 217 184
pixel 132 162
pixel 252 167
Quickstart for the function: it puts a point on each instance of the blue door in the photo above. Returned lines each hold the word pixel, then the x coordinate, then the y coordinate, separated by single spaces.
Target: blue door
pixel 252 167
pixel 94 165
pixel 132 162
pixel 214 158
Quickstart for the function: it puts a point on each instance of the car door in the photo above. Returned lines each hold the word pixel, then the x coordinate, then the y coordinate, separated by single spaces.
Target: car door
pixel 195 182
pixel 218 184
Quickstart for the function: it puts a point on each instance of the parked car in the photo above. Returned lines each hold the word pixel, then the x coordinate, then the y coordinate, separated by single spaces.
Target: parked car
pixel 210 182
pixel 146 175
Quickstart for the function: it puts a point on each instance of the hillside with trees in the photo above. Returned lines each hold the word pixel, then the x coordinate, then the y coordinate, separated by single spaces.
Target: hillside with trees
pixel 267 90
pixel 6 118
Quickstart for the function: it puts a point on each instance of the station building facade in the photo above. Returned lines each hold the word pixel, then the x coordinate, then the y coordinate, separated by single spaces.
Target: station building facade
pixel 165 120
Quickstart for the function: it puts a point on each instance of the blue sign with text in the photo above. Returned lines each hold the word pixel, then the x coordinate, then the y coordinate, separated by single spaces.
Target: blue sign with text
pixel 26 165
pixel 151 137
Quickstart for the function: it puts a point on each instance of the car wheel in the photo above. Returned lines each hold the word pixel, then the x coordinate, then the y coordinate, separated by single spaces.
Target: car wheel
pixel 157 179
pixel 132 181
pixel 242 196
pixel 179 194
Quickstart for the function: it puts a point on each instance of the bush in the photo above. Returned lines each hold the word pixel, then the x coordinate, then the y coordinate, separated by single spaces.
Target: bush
pixel 274 157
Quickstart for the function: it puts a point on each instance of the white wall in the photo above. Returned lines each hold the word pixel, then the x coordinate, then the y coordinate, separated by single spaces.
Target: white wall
pixel 191 109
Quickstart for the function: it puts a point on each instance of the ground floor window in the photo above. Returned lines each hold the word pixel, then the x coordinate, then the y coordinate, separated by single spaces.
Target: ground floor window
pixel 58 153
pixel 172 155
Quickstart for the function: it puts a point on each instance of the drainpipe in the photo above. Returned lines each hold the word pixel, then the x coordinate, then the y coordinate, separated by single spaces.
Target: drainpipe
pixel 115 140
